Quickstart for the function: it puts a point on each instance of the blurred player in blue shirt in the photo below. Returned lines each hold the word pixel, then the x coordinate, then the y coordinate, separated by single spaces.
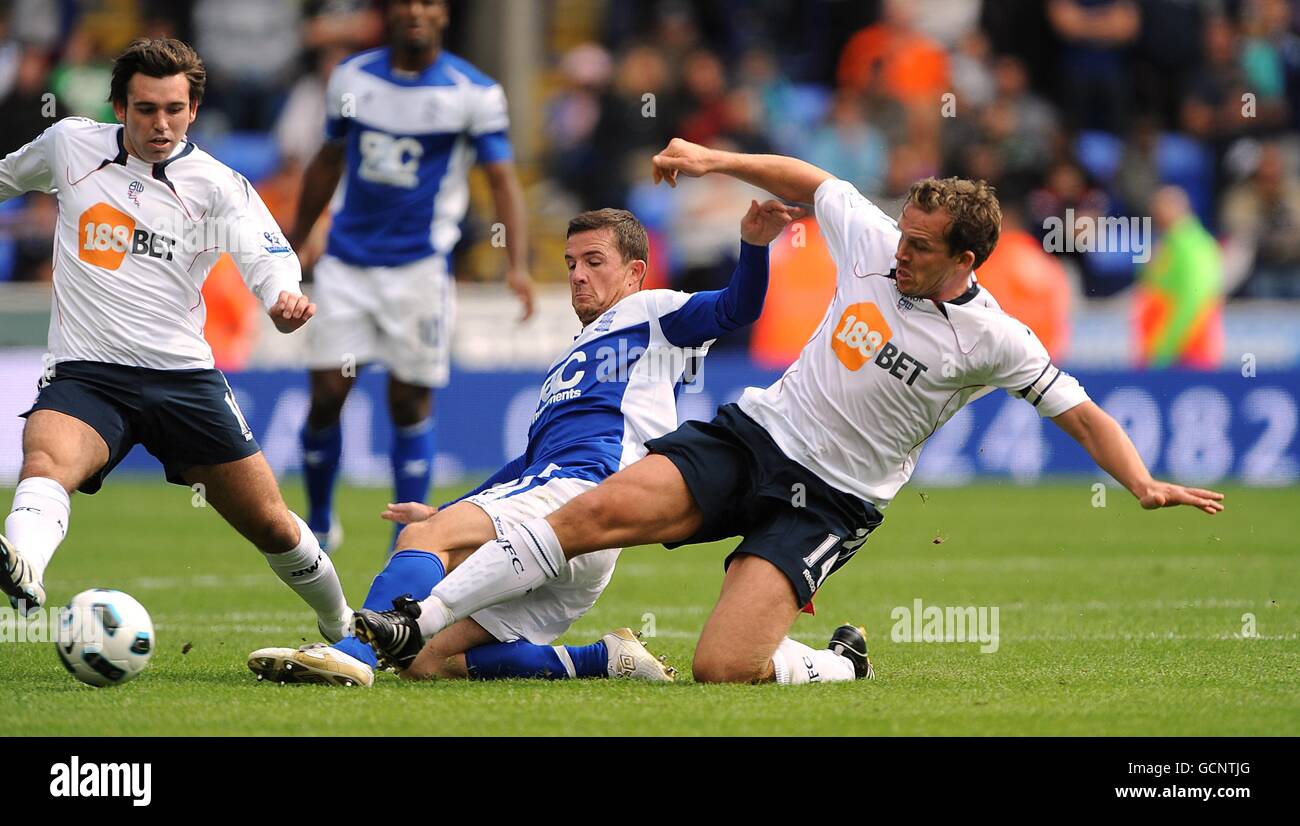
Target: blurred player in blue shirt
pixel 404 125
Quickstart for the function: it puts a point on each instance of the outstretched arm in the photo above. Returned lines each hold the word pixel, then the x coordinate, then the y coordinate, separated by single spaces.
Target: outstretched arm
pixel 508 200
pixel 708 315
pixel 319 181
pixel 1109 446
pixel 789 179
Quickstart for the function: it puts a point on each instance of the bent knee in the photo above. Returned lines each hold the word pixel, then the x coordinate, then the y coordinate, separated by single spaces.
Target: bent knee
pixel 417 536
pixel 610 508
pixel 39 462
pixel 43 464
pixel 274 534
pixel 708 668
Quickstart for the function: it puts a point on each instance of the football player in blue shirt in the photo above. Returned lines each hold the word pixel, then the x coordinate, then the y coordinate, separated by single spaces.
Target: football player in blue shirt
pixel 614 389
pixel 404 125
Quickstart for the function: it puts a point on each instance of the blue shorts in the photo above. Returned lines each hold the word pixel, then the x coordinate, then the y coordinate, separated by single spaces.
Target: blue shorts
pixel 744 485
pixel 185 418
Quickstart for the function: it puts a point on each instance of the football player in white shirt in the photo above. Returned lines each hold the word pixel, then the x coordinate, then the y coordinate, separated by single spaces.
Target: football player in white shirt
pixel 143 216
pixel 803 468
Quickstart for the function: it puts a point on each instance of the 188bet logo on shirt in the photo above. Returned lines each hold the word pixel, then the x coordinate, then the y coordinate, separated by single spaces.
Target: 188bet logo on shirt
pixel 107 234
pixel 863 335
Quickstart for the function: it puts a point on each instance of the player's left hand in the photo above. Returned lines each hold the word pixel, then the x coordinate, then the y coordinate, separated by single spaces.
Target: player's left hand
pixel 764 222
pixel 1167 495
pixel 521 284
pixel 291 311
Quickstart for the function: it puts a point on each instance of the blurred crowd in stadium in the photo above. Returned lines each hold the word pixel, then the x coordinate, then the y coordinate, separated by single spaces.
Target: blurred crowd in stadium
pixel 1183 111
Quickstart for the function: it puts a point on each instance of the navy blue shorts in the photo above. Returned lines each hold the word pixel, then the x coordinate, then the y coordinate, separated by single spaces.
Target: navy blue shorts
pixel 745 486
pixel 185 418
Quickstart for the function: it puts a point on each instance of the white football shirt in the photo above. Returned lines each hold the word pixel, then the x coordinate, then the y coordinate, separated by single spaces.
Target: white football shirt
pixel 883 371
pixel 135 241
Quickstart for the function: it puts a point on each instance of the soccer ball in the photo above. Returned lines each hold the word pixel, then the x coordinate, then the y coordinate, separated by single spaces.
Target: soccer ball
pixel 105 637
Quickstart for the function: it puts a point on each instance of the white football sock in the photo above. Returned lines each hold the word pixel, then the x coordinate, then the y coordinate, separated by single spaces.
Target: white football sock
pixel 310 573
pixel 796 663
pixel 38 521
pixel 498 571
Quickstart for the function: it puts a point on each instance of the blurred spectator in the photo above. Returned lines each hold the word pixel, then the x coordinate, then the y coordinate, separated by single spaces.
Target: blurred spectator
pixel 1137 176
pixel 1169 46
pixel 572 114
pixel 351 25
pixel 251 49
pixel 1262 216
pixel 895 58
pixel 907 164
pixel 914 68
pixel 82 78
pixel 37 23
pixel 947 22
pixel 1065 188
pixel 29 107
pixel 848 147
pixel 778 101
pixel 972 77
pixel 1022 125
pixel 1028 283
pixel 705 113
pixel 1178 300
pixel 1217 108
pixel 637 116
pixel 1098 84
pixel 300 129
pixel 28 222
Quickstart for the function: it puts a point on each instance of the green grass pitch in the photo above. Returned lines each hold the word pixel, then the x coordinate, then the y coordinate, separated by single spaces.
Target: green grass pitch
pixel 1112 621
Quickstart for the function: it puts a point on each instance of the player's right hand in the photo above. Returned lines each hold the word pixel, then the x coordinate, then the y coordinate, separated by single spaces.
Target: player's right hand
pixel 521 284
pixel 291 311
pixel 685 157
pixel 404 513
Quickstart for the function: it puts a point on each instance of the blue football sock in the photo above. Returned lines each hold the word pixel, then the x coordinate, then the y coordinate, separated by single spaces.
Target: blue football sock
pixel 412 460
pixel 500 660
pixel 407 572
pixel 320 467
pixel 358 649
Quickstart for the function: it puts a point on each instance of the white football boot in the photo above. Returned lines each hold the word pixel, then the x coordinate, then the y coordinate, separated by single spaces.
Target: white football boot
pixel 628 657
pixel 313 663
pixel 25 591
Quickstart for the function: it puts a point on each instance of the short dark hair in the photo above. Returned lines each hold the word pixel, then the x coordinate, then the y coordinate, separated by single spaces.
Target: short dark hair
pixel 161 57
pixel 974 209
pixel 629 233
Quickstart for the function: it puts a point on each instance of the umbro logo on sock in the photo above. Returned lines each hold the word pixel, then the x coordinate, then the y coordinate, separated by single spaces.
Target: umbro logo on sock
pixel 29 509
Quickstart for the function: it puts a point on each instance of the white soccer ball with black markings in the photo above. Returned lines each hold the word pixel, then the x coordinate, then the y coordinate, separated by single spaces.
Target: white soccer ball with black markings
pixel 105 637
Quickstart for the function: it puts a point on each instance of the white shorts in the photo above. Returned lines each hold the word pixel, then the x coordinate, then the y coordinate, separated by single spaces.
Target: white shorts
pixel 400 317
pixel 541 616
